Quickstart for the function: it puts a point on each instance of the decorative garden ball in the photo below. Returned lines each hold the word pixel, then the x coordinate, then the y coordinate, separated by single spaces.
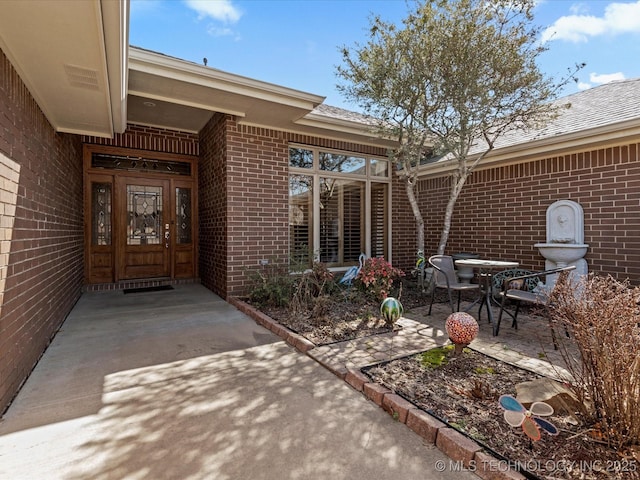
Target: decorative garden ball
pixel 462 328
pixel 391 310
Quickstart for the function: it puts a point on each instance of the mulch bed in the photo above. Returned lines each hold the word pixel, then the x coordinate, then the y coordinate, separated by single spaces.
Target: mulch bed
pixel 465 392
pixel 347 315
pixel 355 319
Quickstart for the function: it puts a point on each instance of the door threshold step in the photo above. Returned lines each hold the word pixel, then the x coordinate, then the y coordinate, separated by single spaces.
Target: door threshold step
pixel 140 283
pixel 157 288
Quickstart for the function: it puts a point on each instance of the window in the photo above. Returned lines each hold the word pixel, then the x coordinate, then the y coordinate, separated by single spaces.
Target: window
pixel 338 206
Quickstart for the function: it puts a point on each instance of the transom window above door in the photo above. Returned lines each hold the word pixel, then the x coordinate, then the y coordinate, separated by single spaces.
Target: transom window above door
pixel 338 206
pixel 133 163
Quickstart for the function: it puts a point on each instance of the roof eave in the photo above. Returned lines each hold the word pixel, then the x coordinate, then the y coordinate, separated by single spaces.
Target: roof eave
pixel 612 134
pixel 342 125
pixel 115 21
pixel 166 66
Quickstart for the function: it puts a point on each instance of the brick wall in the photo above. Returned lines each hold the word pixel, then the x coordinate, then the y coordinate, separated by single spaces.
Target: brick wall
pixel 258 201
pixel 151 138
pixel 403 226
pixel 244 198
pixel 212 201
pixel 501 212
pixel 41 234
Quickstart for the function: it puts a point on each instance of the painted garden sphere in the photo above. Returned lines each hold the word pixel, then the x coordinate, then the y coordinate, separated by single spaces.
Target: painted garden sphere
pixel 462 328
pixel 391 310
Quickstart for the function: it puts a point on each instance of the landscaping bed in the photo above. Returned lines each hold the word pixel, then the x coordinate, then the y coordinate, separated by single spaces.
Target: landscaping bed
pixel 464 392
pixel 347 314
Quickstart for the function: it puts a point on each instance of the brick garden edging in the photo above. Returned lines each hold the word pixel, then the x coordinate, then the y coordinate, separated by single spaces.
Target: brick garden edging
pixel 452 443
pixel 295 340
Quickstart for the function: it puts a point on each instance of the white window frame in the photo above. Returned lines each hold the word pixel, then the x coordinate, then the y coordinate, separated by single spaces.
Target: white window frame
pixel 368 178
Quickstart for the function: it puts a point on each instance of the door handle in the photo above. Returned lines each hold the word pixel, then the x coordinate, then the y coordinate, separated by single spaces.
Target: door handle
pixel 166 239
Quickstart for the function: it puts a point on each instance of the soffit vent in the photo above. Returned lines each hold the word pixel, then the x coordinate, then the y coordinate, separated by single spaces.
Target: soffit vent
pixel 82 77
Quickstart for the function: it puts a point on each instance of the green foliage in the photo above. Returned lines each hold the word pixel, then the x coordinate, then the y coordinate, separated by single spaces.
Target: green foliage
pixel 271 285
pixel 485 371
pixel 452 79
pixel 436 356
pixel 376 277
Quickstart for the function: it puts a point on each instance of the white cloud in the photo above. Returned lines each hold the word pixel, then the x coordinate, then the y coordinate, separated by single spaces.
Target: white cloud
pixel 216 31
pixel 601 78
pixel 219 31
pixel 222 10
pixel 579 9
pixel 618 18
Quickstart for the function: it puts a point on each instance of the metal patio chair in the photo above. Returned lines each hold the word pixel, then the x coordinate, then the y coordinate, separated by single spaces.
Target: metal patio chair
pixel 445 277
pixel 519 289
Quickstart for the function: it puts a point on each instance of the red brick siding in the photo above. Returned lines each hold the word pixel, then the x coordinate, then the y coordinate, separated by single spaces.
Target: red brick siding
pixel 501 212
pixel 244 198
pixel 212 193
pixel 45 253
pixel 151 138
pixel 403 226
pixel 258 199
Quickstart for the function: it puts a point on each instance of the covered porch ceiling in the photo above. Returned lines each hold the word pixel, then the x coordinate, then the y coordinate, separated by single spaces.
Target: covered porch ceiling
pixel 75 60
pixel 72 56
pixel 171 93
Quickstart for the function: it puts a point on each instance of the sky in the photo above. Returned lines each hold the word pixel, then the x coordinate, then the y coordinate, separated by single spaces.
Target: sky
pixel 296 43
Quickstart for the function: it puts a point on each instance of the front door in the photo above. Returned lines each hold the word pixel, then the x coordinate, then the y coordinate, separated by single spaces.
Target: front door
pixel 139 225
pixel 145 228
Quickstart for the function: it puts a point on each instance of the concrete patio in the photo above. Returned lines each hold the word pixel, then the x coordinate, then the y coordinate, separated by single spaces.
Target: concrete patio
pixel 179 384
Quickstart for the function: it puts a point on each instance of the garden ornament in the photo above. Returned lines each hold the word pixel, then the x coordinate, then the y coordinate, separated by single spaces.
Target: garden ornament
pixel 462 328
pixel 391 310
pixel 516 415
pixel 352 273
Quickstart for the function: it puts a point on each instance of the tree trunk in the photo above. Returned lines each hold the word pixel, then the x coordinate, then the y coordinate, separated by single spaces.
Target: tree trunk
pixel 456 188
pixel 415 208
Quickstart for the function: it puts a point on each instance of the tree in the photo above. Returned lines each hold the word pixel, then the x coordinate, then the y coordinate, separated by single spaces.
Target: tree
pixel 455 77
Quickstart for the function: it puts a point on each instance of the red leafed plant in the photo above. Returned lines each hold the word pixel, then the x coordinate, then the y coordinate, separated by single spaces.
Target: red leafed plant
pixel 376 277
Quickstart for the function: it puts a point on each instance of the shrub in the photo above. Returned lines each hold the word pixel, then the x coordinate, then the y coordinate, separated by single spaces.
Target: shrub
pixel 602 315
pixel 376 277
pixel 272 285
pixel 311 288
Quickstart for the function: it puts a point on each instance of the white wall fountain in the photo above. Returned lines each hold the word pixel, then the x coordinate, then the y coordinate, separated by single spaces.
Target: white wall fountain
pixel 565 238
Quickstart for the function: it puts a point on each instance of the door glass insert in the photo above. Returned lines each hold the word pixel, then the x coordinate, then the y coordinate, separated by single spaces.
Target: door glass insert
pixel 101 213
pixel 183 215
pixel 144 210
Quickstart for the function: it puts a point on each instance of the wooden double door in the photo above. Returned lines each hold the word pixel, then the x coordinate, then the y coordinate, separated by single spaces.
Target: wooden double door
pixel 139 227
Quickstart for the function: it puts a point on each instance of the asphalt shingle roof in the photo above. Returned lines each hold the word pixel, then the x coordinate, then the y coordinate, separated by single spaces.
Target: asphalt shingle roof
pixel 596 107
pixel 342 114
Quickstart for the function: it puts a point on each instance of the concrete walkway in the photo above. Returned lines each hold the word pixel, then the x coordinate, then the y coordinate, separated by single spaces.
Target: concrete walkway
pixel 181 385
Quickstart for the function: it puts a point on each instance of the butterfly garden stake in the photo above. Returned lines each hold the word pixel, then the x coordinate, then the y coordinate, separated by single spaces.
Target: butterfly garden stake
pixel 516 415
